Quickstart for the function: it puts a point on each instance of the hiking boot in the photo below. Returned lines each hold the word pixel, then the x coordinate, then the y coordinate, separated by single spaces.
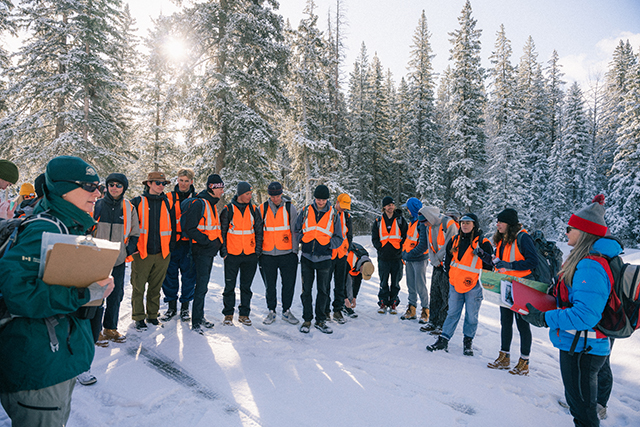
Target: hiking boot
pixel 424 316
pixel 271 317
pixel 522 368
pixel 114 335
pixel 436 331
pixel 338 317
pixel 502 362
pixel 467 343
pixel 171 311
pixel 228 320
pixel 322 327
pixel 382 309
pixel 102 341
pixel 349 312
pixel 207 324
pixel 141 325
pixel 154 322
pixel 393 309
pixel 198 329
pixel 602 411
pixel 184 312
pixel 304 328
pixel 288 316
pixel 410 314
pixel 441 344
pixel 244 320
pixel 327 316
pixel 428 327
pixel 86 378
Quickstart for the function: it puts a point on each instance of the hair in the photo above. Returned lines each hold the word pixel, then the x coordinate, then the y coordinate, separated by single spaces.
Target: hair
pixel 186 172
pixel 475 232
pixel 508 237
pixel 583 247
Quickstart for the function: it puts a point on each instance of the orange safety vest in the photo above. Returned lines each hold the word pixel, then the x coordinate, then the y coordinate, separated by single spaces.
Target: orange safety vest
pixel 342 250
pixel 176 203
pixel 352 259
pixel 439 238
pixel 511 253
pixel 241 237
pixel 165 228
pixel 464 273
pixel 320 231
pixel 393 237
pixel 209 224
pixel 277 229
pixel 412 239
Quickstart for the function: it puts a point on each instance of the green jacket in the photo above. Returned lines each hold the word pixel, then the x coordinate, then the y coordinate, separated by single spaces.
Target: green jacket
pixel 26 359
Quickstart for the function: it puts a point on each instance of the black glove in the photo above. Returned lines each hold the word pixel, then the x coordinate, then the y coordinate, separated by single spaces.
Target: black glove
pixel 485 257
pixel 535 317
pixel 503 264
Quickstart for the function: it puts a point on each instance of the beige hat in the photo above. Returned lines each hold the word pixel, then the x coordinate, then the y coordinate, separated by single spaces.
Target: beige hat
pixel 367 270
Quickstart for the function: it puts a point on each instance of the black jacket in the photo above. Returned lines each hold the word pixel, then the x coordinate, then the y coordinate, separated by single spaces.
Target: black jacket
pixel 463 246
pixel 388 252
pixel 191 216
pixel 155 203
pixel 107 210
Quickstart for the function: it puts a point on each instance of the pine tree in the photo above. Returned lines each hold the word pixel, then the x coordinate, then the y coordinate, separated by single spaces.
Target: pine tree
pixel 7 27
pixel 403 186
pixel 467 154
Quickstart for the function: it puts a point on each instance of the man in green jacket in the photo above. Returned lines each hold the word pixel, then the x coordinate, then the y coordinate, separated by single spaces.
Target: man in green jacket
pixel 37 376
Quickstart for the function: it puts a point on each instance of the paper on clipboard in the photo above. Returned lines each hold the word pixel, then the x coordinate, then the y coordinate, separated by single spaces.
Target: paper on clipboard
pixel 76 260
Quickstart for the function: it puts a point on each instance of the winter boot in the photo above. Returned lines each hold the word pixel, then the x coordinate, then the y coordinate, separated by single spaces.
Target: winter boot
pixel 522 368
pixel 338 317
pixel 410 314
pixel 141 325
pixel 244 320
pixel 349 312
pixel 171 311
pixel 87 378
pixel 429 327
pixel 228 320
pixel 184 312
pixel 382 309
pixel 502 362
pixel 468 346
pixel 393 309
pixel 441 344
pixel 114 335
pixel 322 327
pixel 103 341
pixel 304 328
pixel 154 322
pixel 424 316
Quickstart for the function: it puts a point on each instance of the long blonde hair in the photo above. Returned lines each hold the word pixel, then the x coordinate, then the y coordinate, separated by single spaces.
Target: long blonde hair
pixel 583 247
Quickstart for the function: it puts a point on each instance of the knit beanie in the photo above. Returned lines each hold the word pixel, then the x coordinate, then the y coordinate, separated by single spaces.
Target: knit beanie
pixel 39 185
pixel 591 219
pixel 118 177
pixel 387 201
pixel 274 189
pixel 508 216
pixel 214 181
pixel 9 171
pixel 414 206
pixel 63 169
pixel 27 189
pixel 322 192
pixel 243 187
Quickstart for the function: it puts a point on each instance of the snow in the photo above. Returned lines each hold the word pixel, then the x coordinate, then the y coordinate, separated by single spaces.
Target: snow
pixel 371 371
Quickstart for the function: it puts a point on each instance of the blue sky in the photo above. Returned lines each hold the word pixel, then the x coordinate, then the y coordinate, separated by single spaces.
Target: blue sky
pixel 584 32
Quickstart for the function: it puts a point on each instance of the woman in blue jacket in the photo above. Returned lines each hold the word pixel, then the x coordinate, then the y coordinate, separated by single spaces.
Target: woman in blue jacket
pixel 582 294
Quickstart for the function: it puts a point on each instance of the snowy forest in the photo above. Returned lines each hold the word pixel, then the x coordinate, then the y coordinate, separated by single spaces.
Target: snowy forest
pixel 229 87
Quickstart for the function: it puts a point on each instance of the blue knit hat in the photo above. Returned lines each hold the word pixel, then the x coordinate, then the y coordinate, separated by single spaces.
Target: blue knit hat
pixel 414 206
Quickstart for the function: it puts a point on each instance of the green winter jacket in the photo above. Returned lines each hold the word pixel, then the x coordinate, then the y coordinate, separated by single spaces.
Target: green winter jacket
pixel 27 361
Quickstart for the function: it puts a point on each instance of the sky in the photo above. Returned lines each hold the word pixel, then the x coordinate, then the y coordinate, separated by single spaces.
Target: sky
pixel 583 32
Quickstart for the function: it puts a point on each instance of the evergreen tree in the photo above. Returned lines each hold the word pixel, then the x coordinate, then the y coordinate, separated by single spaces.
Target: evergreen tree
pixel 402 171
pixel 7 26
pixel 467 154
pixel 444 115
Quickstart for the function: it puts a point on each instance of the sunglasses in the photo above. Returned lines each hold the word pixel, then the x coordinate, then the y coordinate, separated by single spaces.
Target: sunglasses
pixel 115 184
pixel 162 183
pixel 569 228
pixel 86 186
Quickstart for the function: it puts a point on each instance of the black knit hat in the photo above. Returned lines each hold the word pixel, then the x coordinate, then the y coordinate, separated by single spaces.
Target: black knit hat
pixel 508 216
pixel 274 189
pixel 39 185
pixel 322 192
pixel 214 181
pixel 118 177
pixel 243 187
pixel 387 201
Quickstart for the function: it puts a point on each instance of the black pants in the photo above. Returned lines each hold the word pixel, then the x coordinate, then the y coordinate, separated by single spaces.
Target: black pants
pixel 112 312
pixel 246 265
pixel 605 378
pixel 339 273
pixel 580 379
pixel 203 265
pixel 288 266
pixel 506 331
pixel 388 293
pixel 439 296
pixel 308 271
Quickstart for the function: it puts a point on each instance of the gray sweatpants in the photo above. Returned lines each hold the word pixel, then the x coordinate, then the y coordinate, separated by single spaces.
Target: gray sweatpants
pixel 46 407
pixel 417 282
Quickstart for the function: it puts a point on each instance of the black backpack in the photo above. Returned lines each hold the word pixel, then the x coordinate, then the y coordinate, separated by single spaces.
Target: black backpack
pixel 549 258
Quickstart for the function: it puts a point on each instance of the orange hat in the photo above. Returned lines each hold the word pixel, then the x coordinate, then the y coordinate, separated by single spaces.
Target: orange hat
pixel 344 201
pixel 27 190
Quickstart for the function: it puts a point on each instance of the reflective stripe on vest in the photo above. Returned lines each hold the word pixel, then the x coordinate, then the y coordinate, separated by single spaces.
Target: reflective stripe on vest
pixel 412 239
pixel 343 249
pixel 438 237
pixel 512 254
pixel 352 259
pixel 209 224
pixel 393 237
pixel 464 273
pixel 176 203
pixel 165 228
pixel 277 228
pixel 241 235
pixel 321 231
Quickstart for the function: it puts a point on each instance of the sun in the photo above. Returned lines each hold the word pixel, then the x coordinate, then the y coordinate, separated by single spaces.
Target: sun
pixel 176 49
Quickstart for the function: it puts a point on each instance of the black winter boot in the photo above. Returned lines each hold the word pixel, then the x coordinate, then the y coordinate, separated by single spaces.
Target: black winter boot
pixel 441 344
pixel 468 346
pixel 184 312
pixel 171 311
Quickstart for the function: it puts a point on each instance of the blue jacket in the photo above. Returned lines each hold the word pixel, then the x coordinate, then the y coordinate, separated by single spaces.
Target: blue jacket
pixel 417 254
pixel 589 294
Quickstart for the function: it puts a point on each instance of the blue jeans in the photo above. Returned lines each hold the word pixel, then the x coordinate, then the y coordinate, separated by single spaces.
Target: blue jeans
pixel 112 312
pixel 182 261
pixel 417 282
pixel 472 301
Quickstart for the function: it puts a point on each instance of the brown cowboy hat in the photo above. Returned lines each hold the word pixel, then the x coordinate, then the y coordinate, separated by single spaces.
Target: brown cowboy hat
pixel 155 176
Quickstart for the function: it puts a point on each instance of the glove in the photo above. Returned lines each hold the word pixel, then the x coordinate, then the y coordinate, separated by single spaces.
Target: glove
pixel 479 251
pixel 535 317
pixel 503 264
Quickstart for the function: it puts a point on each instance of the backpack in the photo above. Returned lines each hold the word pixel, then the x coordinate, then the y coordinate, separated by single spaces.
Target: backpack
pixel 549 258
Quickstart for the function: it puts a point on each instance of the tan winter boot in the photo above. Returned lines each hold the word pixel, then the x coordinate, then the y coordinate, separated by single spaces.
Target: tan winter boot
pixel 424 317
pixel 410 314
pixel 114 335
pixel 522 368
pixel 502 362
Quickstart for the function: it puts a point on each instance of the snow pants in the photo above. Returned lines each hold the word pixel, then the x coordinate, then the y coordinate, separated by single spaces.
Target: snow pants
pixel 580 378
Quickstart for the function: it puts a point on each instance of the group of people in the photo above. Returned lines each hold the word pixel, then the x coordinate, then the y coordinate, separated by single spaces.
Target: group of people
pixel 172 238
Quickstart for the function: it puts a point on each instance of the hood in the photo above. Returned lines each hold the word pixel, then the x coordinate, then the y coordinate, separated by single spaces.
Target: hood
pixel 414 206
pixel 607 247
pixel 431 214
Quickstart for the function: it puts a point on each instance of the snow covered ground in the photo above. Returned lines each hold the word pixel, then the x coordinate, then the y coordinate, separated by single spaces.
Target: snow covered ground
pixel 373 370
